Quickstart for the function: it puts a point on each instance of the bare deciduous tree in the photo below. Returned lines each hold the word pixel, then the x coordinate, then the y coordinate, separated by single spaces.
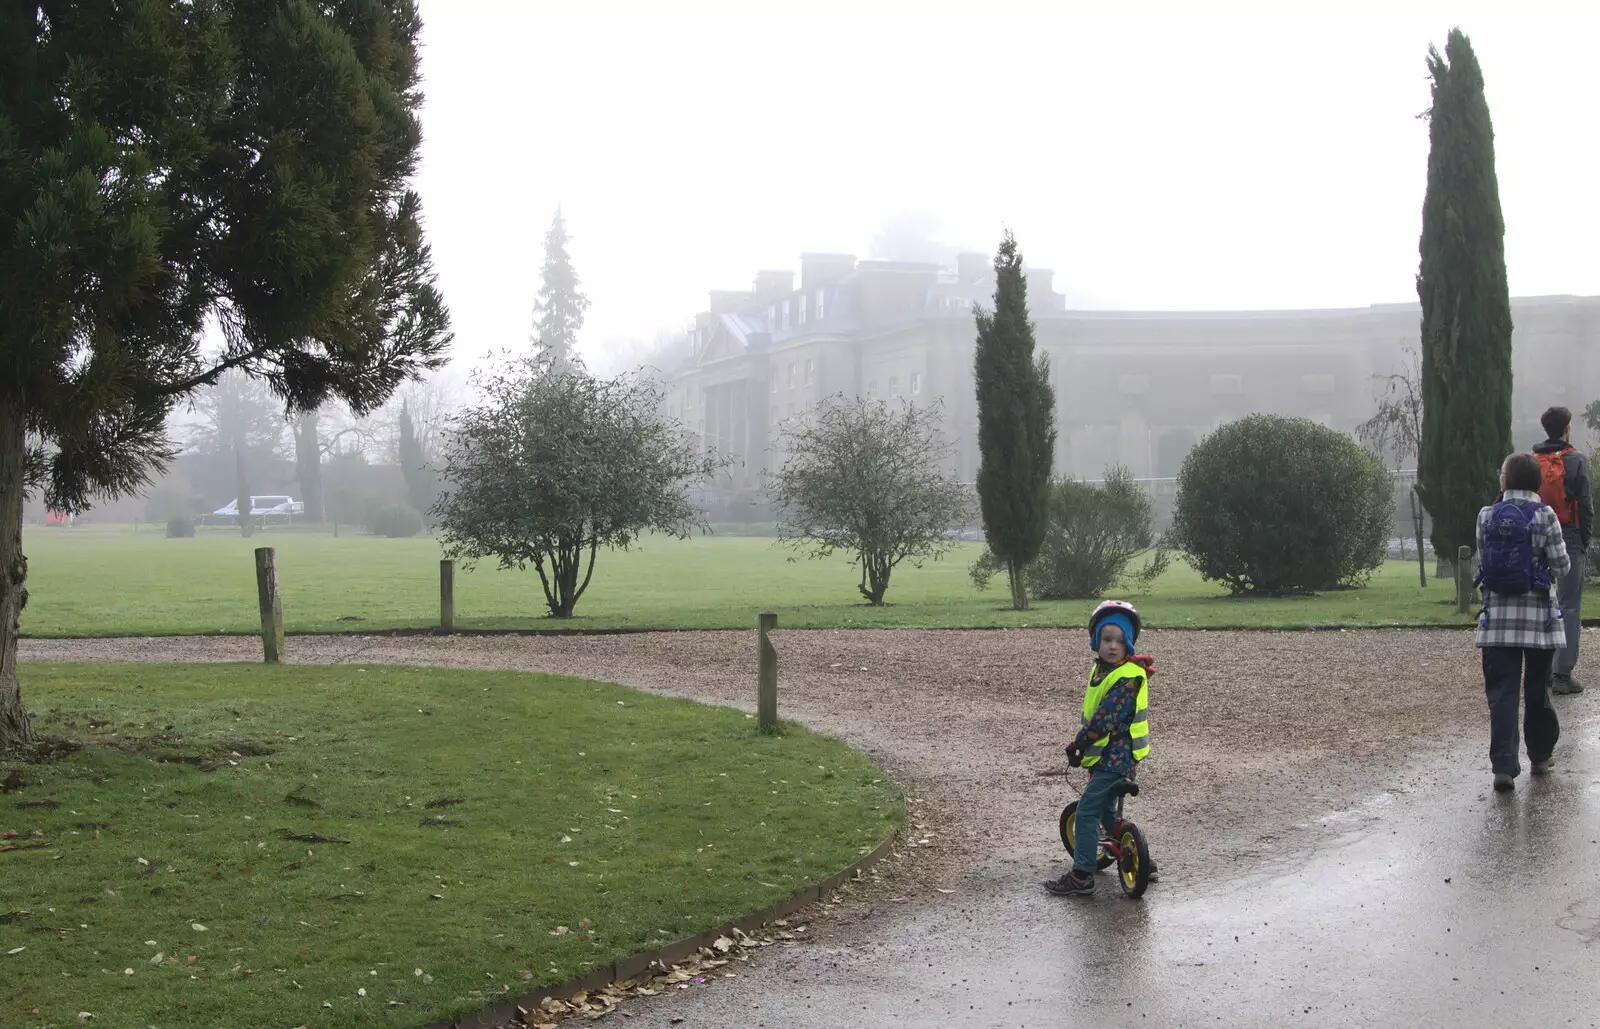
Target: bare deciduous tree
pixel 870 480
pixel 1395 434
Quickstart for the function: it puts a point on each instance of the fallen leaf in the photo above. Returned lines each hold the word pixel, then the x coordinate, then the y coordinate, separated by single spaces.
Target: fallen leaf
pixel 197 927
pixel 946 891
pixel 560 930
pixel 16 950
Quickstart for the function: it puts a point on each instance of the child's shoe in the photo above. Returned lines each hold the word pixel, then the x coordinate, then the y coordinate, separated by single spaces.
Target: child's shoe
pixel 1070 885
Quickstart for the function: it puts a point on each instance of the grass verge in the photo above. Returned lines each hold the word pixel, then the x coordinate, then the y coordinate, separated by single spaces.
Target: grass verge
pixel 240 845
pixel 86 583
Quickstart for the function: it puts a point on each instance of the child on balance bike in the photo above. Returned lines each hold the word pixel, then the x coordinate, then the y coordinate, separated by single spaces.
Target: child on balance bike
pixel 1114 736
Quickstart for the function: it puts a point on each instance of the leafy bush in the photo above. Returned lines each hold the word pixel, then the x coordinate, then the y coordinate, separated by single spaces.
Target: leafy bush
pixel 396 521
pixel 1273 505
pixel 179 527
pixel 173 499
pixel 1094 533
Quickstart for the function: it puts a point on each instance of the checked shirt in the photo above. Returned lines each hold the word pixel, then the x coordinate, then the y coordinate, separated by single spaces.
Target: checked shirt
pixel 1529 619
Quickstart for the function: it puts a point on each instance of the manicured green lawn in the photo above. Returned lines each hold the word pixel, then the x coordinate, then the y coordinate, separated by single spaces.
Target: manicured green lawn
pixel 166 893
pixel 88 583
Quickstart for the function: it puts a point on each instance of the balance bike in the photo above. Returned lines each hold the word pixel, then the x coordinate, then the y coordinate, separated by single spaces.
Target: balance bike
pixel 1126 848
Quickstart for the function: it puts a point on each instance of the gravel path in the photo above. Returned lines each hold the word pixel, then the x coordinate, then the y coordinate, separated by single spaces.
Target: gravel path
pixel 1259 732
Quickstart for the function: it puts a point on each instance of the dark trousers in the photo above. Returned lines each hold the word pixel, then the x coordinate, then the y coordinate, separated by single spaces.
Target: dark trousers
pixel 1570 594
pixel 1510 674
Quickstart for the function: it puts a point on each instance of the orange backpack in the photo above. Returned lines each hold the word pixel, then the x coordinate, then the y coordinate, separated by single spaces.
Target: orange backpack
pixel 1553 486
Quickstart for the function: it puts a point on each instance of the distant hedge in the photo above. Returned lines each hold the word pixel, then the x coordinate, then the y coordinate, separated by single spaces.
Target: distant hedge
pixel 396 521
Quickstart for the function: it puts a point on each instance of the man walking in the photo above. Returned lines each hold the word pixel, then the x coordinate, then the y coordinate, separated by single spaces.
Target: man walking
pixel 1564 485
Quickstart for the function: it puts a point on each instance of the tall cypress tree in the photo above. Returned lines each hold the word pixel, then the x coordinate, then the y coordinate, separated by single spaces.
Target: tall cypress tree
pixel 558 314
pixel 421 484
pixel 1466 305
pixel 1016 423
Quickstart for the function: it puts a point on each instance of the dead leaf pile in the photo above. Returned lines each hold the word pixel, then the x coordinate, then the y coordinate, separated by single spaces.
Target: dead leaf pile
pixel 703 968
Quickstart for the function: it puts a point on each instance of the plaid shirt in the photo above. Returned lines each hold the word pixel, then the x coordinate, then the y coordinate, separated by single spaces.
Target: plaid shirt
pixel 1531 619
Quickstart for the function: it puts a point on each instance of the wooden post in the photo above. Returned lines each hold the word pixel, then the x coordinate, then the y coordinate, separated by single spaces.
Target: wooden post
pixel 767 678
pixel 271 605
pixel 1463 579
pixel 447 595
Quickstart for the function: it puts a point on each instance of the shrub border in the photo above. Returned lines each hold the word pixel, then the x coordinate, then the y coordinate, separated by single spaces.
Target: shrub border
pixel 506 1011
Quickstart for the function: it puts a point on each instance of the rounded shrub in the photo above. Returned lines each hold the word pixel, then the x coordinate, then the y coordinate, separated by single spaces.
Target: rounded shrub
pixel 396 521
pixel 1276 505
pixel 179 527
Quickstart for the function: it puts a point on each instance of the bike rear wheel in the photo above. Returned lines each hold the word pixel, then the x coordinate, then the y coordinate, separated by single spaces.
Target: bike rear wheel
pixel 1069 828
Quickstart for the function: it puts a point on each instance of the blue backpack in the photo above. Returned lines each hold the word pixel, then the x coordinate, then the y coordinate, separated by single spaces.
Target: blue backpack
pixel 1509 564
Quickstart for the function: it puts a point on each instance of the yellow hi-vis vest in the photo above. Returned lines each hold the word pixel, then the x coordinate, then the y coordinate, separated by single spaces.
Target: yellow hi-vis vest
pixel 1138 729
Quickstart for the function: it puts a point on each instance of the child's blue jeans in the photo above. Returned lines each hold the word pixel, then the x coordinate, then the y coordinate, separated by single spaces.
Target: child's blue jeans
pixel 1095 808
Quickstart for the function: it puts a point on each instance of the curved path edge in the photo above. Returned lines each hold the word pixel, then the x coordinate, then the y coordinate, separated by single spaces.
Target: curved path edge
pixel 507 1012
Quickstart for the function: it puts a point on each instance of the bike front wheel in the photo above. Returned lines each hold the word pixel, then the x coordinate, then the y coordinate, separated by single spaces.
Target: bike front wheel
pixel 1133 863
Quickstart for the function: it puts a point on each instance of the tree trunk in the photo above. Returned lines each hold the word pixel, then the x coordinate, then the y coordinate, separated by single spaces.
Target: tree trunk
pixel 246 525
pixel 875 570
pixel 1019 589
pixel 15 729
pixel 1416 525
pixel 308 465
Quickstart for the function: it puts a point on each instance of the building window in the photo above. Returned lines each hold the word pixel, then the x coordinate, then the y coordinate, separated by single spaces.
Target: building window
pixel 772 316
pixel 817 307
pixel 811 371
pixel 894 385
pixel 872 388
pixel 786 314
pixel 801 312
pixel 916 383
pixel 791 376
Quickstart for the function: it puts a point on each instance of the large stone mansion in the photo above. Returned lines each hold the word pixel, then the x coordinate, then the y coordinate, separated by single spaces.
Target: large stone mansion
pixel 1135 388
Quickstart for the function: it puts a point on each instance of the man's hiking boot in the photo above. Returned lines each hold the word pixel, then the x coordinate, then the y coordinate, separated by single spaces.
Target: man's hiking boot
pixel 1543 767
pixel 1070 885
pixel 1503 782
pixel 1565 685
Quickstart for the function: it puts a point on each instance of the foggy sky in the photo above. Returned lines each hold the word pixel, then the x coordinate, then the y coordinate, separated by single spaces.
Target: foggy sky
pixel 1159 161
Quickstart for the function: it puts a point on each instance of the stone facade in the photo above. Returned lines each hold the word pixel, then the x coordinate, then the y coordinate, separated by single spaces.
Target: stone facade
pixel 1132 388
